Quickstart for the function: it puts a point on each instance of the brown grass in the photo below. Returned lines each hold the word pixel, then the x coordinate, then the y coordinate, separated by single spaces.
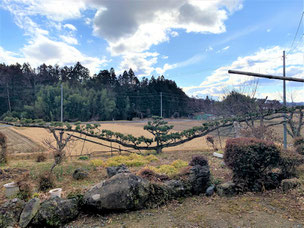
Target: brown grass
pixel 37 135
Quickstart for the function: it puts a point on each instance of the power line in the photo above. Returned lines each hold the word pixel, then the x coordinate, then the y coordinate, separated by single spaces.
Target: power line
pixel 294 39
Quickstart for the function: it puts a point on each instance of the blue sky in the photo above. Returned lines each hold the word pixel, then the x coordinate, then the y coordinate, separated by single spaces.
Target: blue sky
pixel 193 42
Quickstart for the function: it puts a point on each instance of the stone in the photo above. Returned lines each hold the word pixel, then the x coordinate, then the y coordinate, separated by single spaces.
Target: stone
pixel 218 155
pixel 112 171
pixel 55 212
pixel 124 191
pixel 80 174
pixel 29 212
pixel 288 184
pixel 226 189
pixel 210 190
pixel 10 212
pixel 178 188
pixel 199 178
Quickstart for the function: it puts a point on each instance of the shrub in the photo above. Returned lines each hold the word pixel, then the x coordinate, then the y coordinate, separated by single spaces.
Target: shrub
pixel 133 160
pixel 198 160
pixel 25 187
pixel 40 157
pixel 289 162
pixel 97 162
pixel 83 158
pixel 167 169
pixel 299 145
pixel 179 164
pixel 251 160
pixel 45 181
pixel 10 119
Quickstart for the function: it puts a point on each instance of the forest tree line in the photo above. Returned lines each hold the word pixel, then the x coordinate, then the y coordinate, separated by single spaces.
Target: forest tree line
pixel 34 93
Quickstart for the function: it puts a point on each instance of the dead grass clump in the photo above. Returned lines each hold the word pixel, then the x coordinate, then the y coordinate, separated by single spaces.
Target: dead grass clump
pixel 46 181
pixel 25 187
pixel 150 175
pixel 40 157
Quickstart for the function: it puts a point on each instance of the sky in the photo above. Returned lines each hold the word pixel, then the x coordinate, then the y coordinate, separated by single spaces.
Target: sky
pixel 193 42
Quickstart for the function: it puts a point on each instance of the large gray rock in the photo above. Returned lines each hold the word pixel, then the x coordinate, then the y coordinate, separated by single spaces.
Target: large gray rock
pixel 199 178
pixel 288 184
pixel 226 189
pixel 10 212
pixel 80 174
pixel 56 212
pixel 123 191
pixel 112 171
pixel 29 211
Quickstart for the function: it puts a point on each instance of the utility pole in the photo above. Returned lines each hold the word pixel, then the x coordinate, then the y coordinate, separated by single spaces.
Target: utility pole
pixel 8 98
pixel 161 104
pixel 61 106
pixel 284 101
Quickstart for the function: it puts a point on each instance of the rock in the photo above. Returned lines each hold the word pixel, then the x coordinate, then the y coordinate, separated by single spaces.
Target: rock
pixel 80 174
pixel 223 165
pixel 210 190
pixel 288 184
pixel 56 212
pixel 218 155
pixel 112 171
pixel 124 191
pixel 226 189
pixel 10 212
pixel 178 188
pixel 29 211
pixel 199 178
pixel 159 194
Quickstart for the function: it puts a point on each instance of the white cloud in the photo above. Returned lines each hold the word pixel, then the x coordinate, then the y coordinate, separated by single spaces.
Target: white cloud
pixel 70 26
pixel 69 39
pixel 52 9
pixel 150 23
pixel 223 49
pixel 43 50
pixel 131 28
pixel 266 61
pixel 142 63
pixel 209 49
pixel 9 57
pixel 268 30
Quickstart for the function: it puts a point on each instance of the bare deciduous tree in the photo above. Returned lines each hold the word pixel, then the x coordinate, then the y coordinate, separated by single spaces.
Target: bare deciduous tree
pixel 58 149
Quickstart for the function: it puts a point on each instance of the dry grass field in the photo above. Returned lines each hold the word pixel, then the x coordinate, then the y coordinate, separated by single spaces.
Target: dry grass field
pixel 38 135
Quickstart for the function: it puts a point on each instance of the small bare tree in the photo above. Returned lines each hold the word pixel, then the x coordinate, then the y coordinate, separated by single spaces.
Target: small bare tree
pixel 58 149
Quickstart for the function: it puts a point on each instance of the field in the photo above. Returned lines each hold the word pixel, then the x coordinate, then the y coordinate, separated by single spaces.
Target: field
pixel 268 209
pixel 38 135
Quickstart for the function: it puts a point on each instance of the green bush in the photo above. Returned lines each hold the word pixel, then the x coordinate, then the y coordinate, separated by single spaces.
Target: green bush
pixel 83 158
pixel 251 160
